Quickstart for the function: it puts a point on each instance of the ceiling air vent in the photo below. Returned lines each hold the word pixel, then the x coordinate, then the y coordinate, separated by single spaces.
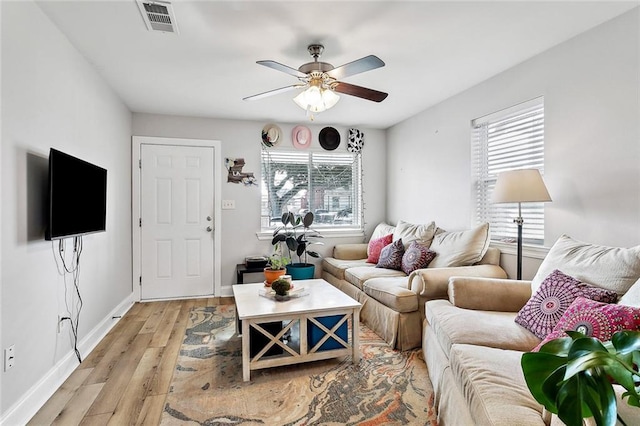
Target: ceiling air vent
pixel 158 16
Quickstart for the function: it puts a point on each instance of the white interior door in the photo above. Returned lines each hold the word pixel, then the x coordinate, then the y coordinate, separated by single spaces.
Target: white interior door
pixel 177 226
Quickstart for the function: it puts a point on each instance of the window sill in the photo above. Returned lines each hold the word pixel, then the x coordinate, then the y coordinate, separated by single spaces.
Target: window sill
pixel 327 233
pixel 535 252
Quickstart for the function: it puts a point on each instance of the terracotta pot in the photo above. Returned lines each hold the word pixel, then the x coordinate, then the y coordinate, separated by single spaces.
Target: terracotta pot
pixel 270 275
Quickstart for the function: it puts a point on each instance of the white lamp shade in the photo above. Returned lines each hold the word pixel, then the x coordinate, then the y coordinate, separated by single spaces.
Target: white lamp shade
pixel 520 186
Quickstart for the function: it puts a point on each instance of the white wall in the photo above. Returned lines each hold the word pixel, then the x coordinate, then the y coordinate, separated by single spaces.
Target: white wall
pixel 241 139
pixel 52 97
pixel 591 89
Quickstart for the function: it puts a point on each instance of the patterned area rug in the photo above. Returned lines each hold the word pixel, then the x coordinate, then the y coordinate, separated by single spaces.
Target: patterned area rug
pixel 387 387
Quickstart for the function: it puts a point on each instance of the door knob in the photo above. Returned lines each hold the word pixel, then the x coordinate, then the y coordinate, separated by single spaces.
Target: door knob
pixel 209 229
pixel 208 218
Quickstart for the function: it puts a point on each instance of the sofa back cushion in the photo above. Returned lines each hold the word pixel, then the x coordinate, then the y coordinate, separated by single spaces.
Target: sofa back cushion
pixel 409 232
pixel 631 297
pixel 612 268
pixel 462 248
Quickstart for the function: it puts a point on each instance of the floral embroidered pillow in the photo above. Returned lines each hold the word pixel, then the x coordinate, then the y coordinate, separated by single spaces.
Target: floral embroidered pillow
pixel 595 319
pixel 556 293
pixel 376 246
pixel 415 257
pixel 391 256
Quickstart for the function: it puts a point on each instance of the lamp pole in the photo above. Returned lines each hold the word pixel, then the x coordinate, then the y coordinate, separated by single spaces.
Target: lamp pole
pixel 519 221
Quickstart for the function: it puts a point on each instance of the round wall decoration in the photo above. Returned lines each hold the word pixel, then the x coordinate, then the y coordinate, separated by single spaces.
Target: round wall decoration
pixel 301 136
pixel 329 138
pixel 355 140
pixel 271 135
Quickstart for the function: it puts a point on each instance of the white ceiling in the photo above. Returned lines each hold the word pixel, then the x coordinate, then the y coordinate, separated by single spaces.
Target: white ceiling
pixel 432 50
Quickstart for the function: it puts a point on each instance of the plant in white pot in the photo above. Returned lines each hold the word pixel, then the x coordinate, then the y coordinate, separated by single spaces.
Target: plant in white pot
pixel 296 233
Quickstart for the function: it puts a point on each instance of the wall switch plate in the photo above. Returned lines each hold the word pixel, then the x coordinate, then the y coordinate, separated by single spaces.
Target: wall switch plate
pixel 228 204
pixel 9 357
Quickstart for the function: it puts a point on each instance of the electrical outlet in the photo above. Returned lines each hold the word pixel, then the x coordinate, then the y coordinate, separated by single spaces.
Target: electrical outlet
pixel 62 323
pixel 9 357
pixel 228 204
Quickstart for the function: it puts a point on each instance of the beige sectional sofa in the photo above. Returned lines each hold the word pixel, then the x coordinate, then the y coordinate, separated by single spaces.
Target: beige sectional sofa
pixel 393 302
pixel 472 346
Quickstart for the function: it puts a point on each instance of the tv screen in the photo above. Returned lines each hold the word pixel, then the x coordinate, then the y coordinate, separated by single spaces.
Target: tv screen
pixel 77 197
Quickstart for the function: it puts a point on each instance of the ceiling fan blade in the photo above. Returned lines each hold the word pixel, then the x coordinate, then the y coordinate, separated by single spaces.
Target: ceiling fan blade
pixel 367 63
pixel 361 92
pixel 280 67
pixel 273 92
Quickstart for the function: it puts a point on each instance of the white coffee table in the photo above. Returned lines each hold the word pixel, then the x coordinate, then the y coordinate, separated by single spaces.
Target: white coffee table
pixel 322 300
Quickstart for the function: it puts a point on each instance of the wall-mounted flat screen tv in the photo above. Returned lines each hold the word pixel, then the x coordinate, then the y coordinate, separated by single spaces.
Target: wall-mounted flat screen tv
pixel 77 197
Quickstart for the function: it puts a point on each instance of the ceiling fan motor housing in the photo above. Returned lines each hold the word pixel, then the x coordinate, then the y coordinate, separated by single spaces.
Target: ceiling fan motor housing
pixel 315 66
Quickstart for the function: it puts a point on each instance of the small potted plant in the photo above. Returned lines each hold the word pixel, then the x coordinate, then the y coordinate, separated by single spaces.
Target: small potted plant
pixel 281 288
pixel 277 266
pixel 297 234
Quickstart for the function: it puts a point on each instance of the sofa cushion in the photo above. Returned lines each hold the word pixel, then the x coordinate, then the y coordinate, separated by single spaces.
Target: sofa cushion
pixel 494 386
pixel 391 256
pixel 336 267
pixel 375 247
pixel 359 274
pixel 462 248
pixel 486 328
pixel 392 292
pixel 415 257
pixel 612 268
pixel 557 292
pixel 409 232
pixel 595 319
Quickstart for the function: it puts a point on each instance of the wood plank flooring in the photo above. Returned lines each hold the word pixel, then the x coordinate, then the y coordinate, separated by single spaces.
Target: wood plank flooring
pixel 125 379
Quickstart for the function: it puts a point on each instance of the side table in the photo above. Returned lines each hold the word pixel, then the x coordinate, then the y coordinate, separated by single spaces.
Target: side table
pixel 242 269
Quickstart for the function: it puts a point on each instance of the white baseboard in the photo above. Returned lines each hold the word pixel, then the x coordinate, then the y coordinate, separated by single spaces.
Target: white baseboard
pixel 29 404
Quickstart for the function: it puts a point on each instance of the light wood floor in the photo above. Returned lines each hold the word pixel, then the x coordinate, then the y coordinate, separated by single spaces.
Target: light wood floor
pixel 125 379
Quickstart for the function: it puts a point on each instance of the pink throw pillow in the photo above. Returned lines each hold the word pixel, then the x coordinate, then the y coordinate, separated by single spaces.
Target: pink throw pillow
pixel 556 293
pixel 595 319
pixel 376 246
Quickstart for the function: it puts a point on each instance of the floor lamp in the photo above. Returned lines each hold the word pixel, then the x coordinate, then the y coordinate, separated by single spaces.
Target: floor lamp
pixel 520 186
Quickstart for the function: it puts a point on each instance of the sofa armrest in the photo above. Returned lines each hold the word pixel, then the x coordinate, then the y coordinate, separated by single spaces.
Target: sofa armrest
pixel 488 294
pixel 350 251
pixel 433 283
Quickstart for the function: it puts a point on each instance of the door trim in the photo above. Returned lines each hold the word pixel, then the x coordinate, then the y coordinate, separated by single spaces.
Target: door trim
pixel 136 232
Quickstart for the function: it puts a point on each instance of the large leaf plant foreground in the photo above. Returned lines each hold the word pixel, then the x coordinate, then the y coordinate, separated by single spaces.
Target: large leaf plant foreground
pixel 572 376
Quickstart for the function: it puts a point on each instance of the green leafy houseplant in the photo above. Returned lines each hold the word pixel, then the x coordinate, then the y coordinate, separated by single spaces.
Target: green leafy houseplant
pixel 297 235
pixel 572 376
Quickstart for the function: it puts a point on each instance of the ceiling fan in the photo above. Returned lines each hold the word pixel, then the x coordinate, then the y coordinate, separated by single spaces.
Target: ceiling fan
pixel 320 80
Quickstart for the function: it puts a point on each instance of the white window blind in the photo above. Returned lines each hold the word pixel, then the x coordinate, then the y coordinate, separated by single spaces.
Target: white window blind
pixel 508 140
pixel 327 184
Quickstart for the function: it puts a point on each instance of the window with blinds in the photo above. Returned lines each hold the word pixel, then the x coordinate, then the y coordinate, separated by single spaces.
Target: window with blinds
pixel 508 140
pixel 325 183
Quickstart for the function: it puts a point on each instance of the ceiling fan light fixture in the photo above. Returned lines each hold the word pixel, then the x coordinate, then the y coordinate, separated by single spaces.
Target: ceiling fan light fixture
pixel 316 99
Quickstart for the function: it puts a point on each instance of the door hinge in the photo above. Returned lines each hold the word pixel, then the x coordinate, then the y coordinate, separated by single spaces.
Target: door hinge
pixel 140 164
pixel 140 222
pixel 140 280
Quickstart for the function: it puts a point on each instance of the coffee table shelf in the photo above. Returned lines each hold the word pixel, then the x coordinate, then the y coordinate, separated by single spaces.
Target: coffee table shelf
pixel 307 312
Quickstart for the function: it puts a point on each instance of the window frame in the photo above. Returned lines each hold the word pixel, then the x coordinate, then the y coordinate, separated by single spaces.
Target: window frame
pixel 522 147
pixel 328 229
